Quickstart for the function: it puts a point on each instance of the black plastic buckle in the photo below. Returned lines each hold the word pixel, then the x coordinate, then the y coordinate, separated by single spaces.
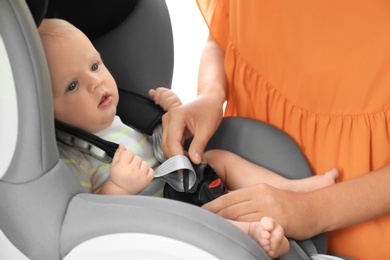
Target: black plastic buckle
pixel 209 186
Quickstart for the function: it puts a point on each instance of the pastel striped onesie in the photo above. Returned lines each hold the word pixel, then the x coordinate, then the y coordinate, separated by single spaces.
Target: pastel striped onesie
pixel 93 173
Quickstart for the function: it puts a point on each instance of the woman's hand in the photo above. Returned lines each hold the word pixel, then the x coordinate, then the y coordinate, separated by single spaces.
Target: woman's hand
pixel 199 118
pixel 289 209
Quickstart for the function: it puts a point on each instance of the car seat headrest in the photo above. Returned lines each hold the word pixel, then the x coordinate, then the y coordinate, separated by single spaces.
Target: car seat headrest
pixel 93 17
pixel 38 9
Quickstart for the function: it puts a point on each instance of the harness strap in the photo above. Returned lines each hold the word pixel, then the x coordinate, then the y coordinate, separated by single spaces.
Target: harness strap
pixel 86 142
pixel 156 140
pixel 177 171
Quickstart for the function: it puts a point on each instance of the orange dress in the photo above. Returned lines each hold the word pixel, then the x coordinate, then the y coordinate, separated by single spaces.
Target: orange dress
pixel 320 71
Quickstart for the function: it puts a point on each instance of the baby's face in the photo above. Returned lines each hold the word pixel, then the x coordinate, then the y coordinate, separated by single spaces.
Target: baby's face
pixel 84 91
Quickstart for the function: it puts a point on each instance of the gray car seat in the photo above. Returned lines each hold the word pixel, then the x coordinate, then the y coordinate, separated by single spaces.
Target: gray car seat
pixel 42 209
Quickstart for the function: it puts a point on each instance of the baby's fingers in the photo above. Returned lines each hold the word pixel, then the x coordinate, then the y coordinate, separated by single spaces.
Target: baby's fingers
pixel 164 97
pixel 127 157
pixel 146 173
pixel 118 153
pixel 145 168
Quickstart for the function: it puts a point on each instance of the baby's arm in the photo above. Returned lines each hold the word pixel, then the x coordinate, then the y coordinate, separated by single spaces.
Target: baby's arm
pixel 129 174
pixel 165 97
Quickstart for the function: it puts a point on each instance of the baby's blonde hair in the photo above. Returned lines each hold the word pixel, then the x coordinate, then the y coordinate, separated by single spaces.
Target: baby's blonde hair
pixel 55 27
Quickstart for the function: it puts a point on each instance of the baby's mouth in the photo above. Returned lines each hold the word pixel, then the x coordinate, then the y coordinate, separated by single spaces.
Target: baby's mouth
pixel 105 100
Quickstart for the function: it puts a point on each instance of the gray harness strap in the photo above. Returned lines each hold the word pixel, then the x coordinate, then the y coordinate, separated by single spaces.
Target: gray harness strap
pixel 173 171
pixel 177 171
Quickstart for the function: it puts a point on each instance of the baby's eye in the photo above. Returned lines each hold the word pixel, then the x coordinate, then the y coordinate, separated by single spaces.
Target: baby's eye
pixel 72 86
pixel 95 67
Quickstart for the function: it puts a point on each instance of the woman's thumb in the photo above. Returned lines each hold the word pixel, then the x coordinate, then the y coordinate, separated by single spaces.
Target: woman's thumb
pixel 195 152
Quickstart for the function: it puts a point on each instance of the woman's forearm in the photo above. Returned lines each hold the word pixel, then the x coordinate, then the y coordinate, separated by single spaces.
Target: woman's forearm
pixel 351 202
pixel 212 78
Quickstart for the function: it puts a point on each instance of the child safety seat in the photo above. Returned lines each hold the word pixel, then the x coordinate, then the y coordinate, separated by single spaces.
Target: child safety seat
pixel 44 213
pixel 149 45
pixel 43 210
pixel 150 53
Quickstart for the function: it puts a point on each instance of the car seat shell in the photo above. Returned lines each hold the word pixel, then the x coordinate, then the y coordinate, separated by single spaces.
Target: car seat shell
pixel 43 211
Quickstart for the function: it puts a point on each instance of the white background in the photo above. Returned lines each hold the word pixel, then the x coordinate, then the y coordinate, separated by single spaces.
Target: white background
pixel 190 34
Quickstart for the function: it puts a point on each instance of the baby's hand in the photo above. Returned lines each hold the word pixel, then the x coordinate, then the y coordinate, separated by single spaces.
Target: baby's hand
pixel 165 97
pixel 129 171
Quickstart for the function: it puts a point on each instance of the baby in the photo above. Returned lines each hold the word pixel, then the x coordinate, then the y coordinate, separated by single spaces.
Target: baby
pixel 85 95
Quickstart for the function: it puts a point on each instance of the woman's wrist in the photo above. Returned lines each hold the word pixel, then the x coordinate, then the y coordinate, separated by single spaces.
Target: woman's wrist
pixel 215 95
pixel 305 219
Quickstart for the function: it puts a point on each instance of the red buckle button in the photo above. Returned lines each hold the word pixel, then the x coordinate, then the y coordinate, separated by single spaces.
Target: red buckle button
pixel 215 183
